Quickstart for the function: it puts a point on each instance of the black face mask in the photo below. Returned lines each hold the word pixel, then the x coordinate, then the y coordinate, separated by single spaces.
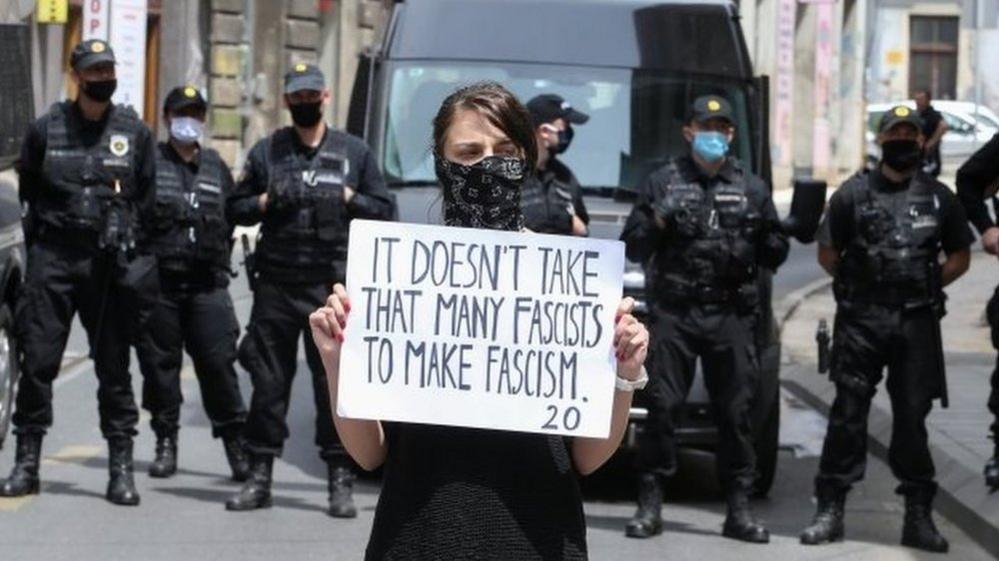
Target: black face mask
pixel 564 140
pixel 484 195
pixel 100 90
pixel 306 114
pixel 901 155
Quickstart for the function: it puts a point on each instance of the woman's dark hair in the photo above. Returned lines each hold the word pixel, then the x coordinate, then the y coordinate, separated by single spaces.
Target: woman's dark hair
pixel 499 107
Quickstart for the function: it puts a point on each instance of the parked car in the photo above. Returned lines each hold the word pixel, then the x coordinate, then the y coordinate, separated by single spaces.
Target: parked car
pixel 633 65
pixel 968 129
pixel 16 111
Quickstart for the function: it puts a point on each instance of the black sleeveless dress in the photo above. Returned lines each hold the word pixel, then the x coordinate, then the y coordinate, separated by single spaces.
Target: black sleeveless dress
pixel 454 494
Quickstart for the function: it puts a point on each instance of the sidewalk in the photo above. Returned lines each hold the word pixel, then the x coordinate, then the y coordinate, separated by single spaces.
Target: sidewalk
pixel 958 435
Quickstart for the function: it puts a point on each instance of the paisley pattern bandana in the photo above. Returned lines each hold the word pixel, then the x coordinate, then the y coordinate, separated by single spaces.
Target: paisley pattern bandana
pixel 483 195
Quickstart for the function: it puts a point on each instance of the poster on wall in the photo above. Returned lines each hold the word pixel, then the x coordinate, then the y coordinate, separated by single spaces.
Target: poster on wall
pixel 122 23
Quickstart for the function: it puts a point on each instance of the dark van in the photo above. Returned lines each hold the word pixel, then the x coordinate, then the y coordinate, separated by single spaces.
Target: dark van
pixel 633 65
pixel 16 112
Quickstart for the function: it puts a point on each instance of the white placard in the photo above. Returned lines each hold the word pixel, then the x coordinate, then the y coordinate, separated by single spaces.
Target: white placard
pixel 128 39
pixel 95 19
pixel 479 328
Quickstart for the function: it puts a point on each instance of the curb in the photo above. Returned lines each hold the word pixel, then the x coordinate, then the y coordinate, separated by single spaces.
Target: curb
pixel 790 303
pixel 961 487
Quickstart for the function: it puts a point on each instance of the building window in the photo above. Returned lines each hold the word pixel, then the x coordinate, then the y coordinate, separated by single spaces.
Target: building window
pixel 933 55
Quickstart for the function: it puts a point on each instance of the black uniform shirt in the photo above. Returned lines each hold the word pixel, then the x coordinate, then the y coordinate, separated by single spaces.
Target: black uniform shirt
pixel 977 179
pixel 31 177
pixel 644 237
pixel 931 120
pixel 561 172
pixel 838 225
pixel 547 204
pixel 371 198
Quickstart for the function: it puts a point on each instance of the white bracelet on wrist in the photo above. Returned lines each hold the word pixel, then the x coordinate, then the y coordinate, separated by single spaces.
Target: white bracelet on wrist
pixel 626 385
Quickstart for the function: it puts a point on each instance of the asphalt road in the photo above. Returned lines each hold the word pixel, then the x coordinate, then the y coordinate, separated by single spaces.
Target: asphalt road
pixel 184 518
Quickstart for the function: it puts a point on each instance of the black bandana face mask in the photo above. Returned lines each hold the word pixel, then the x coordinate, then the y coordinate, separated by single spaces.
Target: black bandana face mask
pixel 483 195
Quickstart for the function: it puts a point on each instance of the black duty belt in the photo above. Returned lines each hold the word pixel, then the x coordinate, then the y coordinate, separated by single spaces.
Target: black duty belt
pixel 886 295
pixel 700 294
pixel 75 238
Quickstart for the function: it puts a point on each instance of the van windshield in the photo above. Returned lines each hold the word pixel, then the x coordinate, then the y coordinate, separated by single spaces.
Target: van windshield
pixel 636 116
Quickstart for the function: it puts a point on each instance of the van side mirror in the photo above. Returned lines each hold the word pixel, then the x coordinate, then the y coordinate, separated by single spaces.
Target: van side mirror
pixel 357 110
pixel 807 205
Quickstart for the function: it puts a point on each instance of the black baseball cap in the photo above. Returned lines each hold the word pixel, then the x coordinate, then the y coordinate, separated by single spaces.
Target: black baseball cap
pixel 709 107
pixel 89 53
pixel 898 115
pixel 184 96
pixel 547 108
pixel 304 76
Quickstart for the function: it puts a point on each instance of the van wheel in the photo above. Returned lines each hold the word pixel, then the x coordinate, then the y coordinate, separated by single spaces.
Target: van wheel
pixel 767 442
pixel 8 370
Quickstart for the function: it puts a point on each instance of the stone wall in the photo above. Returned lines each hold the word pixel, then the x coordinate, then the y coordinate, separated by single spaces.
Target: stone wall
pixel 246 79
pixel 227 67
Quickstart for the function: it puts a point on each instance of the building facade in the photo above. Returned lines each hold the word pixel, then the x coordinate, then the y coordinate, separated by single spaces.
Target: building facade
pixel 946 46
pixel 207 43
pixel 826 59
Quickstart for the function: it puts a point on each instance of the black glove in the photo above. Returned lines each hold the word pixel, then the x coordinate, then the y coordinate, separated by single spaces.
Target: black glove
pixel 679 218
pixel 280 196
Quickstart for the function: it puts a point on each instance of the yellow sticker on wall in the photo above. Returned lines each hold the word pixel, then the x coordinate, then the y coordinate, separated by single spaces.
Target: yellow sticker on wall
pixel 52 11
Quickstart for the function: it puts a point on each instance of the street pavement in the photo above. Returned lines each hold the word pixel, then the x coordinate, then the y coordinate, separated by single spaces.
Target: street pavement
pixel 184 518
pixel 958 435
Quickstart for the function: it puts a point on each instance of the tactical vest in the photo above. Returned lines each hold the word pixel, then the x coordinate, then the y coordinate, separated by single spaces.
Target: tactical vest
pixel 711 255
pixel 541 203
pixel 892 257
pixel 82 180
pixel 311 232
pixel 190 219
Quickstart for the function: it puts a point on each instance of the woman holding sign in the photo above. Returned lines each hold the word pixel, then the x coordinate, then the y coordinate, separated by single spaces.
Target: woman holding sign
pixel 458 493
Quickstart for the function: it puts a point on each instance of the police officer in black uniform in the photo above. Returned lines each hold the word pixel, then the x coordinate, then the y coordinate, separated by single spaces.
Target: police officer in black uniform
pixel 704 227
pixel 977 179
pixel 552 199
pixel 191 239
pixel 881 240
pixel 86 177
pixel 303 184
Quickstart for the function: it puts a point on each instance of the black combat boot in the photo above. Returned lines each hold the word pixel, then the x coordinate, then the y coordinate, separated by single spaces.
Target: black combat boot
pixel 740 524
pixel 23 479
pixel 121 481
pixel 340 481
pixel 992 471
pixel 648 520
pixel 165 463
pixel 919 530
pixel 239 461
pixel 256 492
pixel 827 526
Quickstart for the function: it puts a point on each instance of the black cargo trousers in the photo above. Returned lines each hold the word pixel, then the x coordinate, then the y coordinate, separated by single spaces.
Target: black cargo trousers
pixel 723 337
pixel 868 338
pixel 992 312
pixel 63 278
pixel 200 319
pixel 269 352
